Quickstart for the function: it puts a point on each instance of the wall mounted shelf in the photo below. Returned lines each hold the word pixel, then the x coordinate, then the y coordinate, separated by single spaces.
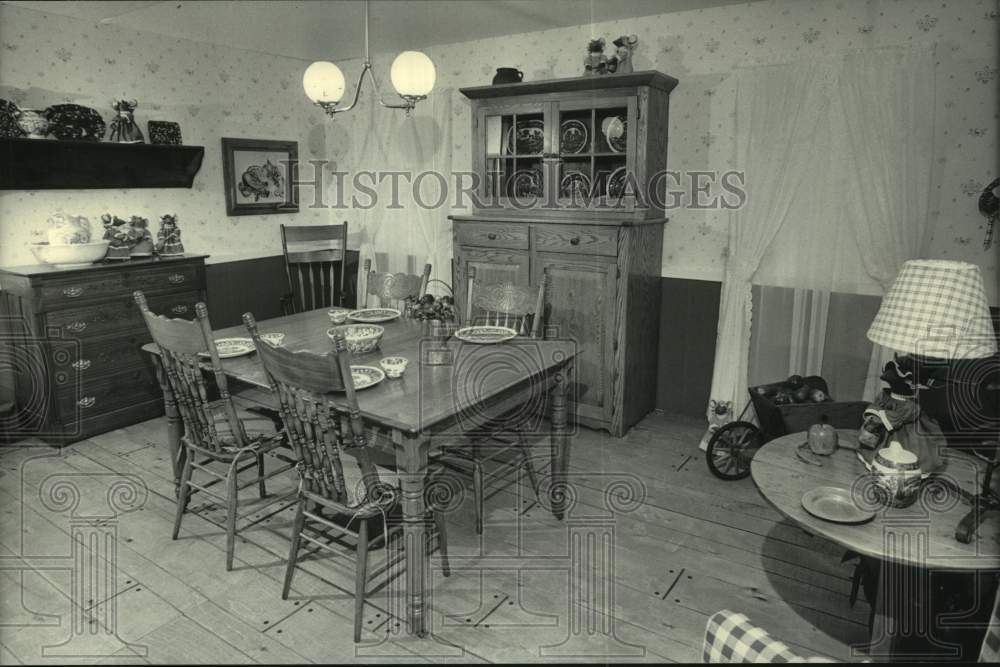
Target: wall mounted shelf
pixel 49 164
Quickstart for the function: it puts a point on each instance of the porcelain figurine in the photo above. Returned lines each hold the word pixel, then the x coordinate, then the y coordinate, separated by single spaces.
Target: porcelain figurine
pixel 621 62
pixel 116 231
pixel 123 127
pixel 32 122
pixel 168 239
pixel 142 240
pixel 595 62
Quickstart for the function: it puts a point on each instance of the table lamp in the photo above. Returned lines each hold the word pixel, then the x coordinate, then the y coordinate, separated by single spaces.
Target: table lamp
pixel 935 313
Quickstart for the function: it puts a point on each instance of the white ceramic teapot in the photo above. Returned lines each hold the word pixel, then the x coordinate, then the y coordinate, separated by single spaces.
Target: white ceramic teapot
pixel 897 472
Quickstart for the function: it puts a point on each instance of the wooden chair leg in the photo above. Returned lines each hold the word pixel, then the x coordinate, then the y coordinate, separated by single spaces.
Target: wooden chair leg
pixel 360 579
pixel 525 449
pixel 261 484
pixel 442 541
pixel 477 492
pixel 232 503
pixel 293 552
pixel 184 494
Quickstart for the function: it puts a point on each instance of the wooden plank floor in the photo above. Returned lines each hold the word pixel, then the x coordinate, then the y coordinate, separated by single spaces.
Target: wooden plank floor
pixel 652 546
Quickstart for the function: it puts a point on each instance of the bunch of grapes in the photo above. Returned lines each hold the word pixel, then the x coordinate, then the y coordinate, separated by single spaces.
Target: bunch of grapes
pixel 429 308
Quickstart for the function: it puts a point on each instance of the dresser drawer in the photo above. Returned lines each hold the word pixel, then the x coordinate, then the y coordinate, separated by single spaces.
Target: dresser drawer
pixel 94 358
pixel 119 315
pixel 58 293
pixel 183 277
pixel 514 236
pixel 586 240
pixel 93 397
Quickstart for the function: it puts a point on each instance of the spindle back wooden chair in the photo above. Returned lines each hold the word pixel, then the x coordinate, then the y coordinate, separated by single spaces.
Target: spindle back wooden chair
pixel 319 433
pixel 216 432
pixel 311 255
pixel 521 309
pixel 506 305
pixel 392 289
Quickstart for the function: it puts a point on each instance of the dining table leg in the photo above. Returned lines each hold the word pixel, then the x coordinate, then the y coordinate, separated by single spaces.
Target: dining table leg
pixel 175 425
pixel 559 439
pixel 411 464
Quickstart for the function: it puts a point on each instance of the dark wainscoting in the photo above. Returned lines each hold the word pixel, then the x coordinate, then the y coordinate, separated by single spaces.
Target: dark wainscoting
pixel 689 315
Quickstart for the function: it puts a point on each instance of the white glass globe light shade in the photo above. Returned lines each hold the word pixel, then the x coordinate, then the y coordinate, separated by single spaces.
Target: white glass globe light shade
pixel 412 73
pixel 323 82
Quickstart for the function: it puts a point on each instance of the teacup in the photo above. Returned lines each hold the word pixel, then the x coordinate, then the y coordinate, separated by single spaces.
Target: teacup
pixel 338 315
pixel 394 366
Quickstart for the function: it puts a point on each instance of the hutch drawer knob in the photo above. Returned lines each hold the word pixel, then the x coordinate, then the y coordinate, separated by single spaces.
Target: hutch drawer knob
pixel 72 292
pixel 81 364
pixel 87 402
pixel 176 278
pixel 575 240
pixel 491 236
pixel 76 327
pixel 179 309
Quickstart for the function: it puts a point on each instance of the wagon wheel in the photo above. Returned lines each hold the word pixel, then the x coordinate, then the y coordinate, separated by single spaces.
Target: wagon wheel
pixel 732 448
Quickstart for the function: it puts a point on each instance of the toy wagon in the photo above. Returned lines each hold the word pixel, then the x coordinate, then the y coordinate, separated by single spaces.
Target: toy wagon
pixel 732 447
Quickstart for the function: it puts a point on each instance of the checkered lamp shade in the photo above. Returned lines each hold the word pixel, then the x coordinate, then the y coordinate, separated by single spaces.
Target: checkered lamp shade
pixel 936 308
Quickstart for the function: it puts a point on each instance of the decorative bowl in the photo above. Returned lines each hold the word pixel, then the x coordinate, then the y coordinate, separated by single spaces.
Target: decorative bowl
pixel 360 338
pixel 70 255
pixel 338 315
pixel 394 366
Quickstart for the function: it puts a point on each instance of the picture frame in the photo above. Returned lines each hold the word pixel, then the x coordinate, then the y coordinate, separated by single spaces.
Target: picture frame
pixel 260 176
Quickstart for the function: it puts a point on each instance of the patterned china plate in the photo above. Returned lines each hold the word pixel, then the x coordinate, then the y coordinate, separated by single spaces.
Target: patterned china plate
pixel 485 335
pixel 232 347
pixel 573 137
pixel 274 339
pixel 834 503
pixel 366 376
pixel 373 315
pixel 615 131
pixel 528 138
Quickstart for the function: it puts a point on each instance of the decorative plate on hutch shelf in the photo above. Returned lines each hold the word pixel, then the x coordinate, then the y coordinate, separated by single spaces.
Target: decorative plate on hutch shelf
pixel 530 138
pixel 573 136
pixel 615 130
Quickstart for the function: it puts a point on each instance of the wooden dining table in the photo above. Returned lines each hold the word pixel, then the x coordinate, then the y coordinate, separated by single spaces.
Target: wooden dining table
pixel 905 546
pixel 448 389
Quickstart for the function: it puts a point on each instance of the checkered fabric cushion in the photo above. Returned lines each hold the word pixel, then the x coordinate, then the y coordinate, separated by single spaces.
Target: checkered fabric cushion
pixel 936 308
pixel 991 643
pixel 730 637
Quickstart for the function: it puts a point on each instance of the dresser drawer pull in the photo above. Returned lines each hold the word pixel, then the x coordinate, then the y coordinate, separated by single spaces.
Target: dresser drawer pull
pixel 575 240
pixel 72 292
pixel 179 309
pixel 176 278
pixel 491 236
pixel 81 365
pixel 76 327
pixel 87 402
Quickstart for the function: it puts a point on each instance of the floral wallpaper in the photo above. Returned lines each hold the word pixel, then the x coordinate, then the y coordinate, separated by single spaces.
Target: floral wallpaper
pixel 216 91
pixel 211 91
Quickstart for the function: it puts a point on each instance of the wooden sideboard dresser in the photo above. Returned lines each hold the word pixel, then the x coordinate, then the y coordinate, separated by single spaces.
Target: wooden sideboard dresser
pixel 74 336
pixel 571 184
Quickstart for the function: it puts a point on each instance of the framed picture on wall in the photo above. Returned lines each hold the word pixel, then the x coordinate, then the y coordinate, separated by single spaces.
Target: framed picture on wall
pixel 260 176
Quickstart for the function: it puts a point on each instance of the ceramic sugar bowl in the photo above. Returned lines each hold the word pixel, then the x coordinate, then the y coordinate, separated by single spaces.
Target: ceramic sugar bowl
pixel 897 472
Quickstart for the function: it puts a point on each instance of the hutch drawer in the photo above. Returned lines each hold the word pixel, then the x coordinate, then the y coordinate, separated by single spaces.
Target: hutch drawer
pixel 514 237
pixel 586 240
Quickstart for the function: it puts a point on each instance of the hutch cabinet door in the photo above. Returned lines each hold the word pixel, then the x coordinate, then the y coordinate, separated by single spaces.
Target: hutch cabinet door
pixel 493 265
pixel 595 141
pixel 509 152
pixel 580 299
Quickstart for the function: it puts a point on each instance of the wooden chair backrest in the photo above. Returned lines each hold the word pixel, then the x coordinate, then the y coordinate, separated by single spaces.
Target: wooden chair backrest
pixel 180 342
pixel 319 433
pixel 392 289
pixel 311 253
pixel 506 305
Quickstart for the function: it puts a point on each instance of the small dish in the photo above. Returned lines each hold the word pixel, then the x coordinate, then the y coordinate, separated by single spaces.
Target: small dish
pixel 373 315
pixel 338 315
pixel 834 503
pixel 394 367
pixel 274 339
pixel 366 376
pixel 485 335
pixel 231 347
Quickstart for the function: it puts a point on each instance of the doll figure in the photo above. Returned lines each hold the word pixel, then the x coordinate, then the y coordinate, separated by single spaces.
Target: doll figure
pixel 595 62
pixel 168 239
pixel 621 62
pixel 899 418
pixel 123 127
pixel 116 231
pixel 141 239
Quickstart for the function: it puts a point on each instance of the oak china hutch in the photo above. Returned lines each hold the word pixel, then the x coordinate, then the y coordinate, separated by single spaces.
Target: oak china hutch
pixel 570 183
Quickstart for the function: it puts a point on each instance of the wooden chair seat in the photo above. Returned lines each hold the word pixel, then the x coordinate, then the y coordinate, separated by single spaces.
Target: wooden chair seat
pixel 259 430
